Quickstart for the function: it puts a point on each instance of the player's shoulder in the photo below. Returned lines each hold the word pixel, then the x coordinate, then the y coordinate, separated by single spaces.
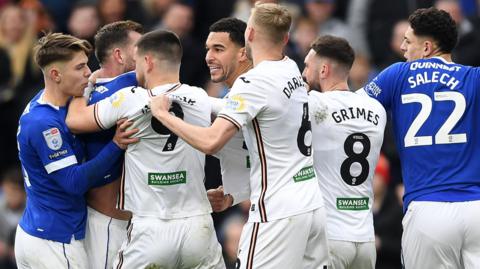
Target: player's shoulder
pixel 120 81
pixel 189 89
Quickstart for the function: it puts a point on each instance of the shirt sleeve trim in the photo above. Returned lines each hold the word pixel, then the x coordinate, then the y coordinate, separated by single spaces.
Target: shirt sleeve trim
pixel 57 165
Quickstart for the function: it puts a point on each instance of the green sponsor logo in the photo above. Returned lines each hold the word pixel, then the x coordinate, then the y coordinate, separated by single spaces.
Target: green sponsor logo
pixel 305 174
pixel 352 203
pixel 162 179
pixel 248 162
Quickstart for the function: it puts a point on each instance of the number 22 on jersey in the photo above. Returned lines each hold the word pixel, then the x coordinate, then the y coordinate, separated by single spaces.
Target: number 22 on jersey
pixel 443 135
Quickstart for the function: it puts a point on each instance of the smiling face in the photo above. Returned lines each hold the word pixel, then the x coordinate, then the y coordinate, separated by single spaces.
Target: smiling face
pixel 223 56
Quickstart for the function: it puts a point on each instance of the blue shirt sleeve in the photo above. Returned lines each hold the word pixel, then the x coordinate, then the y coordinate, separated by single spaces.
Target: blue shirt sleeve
pixel 48 138
pixel 51 142
pixel 383 86
pixel 78 179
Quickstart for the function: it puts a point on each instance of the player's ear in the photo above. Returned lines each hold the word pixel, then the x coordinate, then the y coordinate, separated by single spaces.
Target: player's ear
pixel 117 55
pixel 54 74
pixel 427 48
pixel 149 62
pixel 242 55
pixel 249 33
pixel 324 70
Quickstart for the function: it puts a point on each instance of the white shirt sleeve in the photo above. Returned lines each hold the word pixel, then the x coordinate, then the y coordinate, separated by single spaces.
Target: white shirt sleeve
pixel 109 110
pixel 245 101
pixel 217 104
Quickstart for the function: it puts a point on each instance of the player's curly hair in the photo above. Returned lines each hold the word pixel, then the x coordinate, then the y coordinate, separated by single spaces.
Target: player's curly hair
pixel 233 26
pixel 437 24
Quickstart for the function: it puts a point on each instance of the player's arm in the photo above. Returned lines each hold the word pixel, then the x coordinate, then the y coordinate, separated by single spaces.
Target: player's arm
pixel 81 117
pixel 206 139
pixel 383 86
pixel 99 116
pixel 60 161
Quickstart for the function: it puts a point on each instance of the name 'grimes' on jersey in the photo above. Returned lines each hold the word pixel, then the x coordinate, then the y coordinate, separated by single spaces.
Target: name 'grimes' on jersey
pixel 447 79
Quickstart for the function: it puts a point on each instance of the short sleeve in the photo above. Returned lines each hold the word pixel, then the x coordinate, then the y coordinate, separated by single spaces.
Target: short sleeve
pixel 109 110
pixel 383 86
pixel 247 98
pixel 50 141
pixel 217 104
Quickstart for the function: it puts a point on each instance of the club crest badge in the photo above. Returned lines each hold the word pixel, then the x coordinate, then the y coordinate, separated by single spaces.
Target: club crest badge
pixel 321 114
pixel 53 138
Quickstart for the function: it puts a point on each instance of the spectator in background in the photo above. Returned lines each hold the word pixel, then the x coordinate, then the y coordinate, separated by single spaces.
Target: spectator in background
pixel 154 11
pixel 19 73
pixel 361 72
pixel 179 19
pixel 321 12
pixel 387 218
pixel 304 33
pixel 12 204
pixel 398 34
pixel 83 23
pixel 112 10
pixel 467 51
pixel 17 36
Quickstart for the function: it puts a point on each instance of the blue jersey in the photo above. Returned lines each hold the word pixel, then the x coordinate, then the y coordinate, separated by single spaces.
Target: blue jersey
pixel 435 107
pixel 94 142
pixel 45 146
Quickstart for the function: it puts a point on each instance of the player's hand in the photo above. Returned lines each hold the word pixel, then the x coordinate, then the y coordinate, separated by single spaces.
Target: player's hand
pixel 159 104
pixel 123 136
pixel 218 200
pixel 96 75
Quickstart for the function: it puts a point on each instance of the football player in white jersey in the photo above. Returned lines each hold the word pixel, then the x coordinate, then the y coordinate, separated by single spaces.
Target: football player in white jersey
pixel 347 137
pixel 269 103
pixel 106 225
pixel 227 60
pixel 171 225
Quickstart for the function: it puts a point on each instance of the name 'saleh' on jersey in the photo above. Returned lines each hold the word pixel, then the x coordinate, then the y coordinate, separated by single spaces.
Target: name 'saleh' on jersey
pixel 433 77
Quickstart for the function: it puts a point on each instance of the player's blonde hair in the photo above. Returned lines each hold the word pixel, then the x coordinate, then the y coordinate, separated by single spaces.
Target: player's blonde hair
pixel 274 20
pixel 58 47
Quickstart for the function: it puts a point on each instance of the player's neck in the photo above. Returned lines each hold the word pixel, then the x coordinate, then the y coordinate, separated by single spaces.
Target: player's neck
pixel 155 80
pixel 54 95
pixel 446 56
pixel 242 68
pixel 265 53
pixel 110 70
pixel 336 86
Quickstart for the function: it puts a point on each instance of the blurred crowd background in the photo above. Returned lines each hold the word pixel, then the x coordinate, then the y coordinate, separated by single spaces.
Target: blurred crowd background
pixel 375 29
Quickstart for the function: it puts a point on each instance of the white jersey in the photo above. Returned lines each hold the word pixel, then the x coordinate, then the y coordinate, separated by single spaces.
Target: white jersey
pixel 269 104
pixel 234 161
pixel 347 137
pixel 164 176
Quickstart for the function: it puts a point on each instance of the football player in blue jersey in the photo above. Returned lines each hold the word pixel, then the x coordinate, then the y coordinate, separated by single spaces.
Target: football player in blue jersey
pixel 51 231
pixel 106 225
pixel 435 105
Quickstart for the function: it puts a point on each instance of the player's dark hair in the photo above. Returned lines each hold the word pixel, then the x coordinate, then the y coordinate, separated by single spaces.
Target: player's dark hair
pixel 335 48
pixel 54 47
pixel 162 43
pixel 234 27
pixel 437 24
pixel 114 35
